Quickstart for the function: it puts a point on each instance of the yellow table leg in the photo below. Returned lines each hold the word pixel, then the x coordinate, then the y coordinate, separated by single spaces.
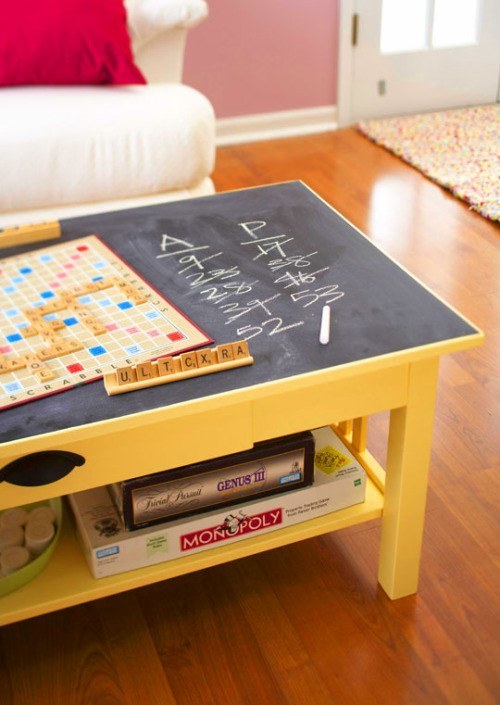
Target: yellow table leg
pixel 345 427
pixel 409 448
pixel 359 433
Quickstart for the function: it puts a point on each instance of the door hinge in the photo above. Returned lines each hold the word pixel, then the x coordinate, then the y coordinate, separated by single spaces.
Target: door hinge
pixel 355 27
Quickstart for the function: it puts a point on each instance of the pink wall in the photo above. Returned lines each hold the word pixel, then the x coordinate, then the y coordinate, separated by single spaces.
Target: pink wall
pixel 258 56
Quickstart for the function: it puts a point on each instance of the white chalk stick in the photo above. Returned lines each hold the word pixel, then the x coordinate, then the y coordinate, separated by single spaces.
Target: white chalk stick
pixel 324 333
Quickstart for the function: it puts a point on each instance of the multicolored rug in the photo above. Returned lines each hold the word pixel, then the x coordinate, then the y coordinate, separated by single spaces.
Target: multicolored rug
pixel 459 149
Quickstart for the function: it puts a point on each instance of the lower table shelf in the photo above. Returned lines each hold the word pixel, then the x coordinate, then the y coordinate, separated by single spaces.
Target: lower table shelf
pixel 67 580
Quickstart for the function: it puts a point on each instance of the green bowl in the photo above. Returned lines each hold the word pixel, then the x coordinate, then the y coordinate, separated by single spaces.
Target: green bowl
pixel 30 571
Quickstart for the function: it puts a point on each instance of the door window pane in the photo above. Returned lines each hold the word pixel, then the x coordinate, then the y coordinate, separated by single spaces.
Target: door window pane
pixel 404 24
pixel 455 23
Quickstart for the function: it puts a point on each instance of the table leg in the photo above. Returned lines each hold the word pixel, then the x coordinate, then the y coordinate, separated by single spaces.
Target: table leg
pixel 359 433
pixel 409 448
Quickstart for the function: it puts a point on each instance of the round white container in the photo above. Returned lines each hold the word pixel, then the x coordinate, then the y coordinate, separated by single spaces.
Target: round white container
pixel 17 516
pixel 13 559
pixel 38 536
pixel 43 514
pixel 11 536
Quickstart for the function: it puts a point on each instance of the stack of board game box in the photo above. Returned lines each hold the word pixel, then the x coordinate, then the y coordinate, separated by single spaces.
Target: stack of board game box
pixel 269 467
pixel 330 479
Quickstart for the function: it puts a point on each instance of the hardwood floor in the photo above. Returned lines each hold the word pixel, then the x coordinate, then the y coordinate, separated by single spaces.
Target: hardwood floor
pixel 308 623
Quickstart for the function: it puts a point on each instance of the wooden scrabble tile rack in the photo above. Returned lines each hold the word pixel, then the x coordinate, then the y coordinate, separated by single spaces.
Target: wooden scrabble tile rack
pixel 24 234
pixel 173 368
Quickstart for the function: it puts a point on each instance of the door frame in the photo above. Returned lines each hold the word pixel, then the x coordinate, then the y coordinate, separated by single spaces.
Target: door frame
pixel 347 8
pixel 345 62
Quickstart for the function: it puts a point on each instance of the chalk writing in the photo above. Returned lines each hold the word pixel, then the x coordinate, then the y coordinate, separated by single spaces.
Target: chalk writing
pixel 298 278
pixel 222 284
pixel 276 326
pixel 319 293
pixel 293 276
pixel 266 245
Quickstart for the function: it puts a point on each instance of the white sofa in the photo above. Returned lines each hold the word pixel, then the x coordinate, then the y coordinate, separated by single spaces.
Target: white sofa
pixel 68 151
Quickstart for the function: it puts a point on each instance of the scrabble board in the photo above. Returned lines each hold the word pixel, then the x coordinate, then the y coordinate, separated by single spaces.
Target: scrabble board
pixel 73 312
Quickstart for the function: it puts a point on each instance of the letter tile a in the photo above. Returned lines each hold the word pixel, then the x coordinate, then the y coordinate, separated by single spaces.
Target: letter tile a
pixel 240 349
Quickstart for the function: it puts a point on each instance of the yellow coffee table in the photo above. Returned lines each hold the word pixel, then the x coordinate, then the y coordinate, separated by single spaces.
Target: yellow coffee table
pixel 256 264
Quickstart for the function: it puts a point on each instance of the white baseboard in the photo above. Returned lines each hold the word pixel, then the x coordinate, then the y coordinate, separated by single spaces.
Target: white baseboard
pixel 266 126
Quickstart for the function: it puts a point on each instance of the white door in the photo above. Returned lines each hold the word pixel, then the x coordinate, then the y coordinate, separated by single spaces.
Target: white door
pixel 419 55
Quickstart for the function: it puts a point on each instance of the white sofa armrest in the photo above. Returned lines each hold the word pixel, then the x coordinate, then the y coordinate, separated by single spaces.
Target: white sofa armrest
pixel 162 59
pixel 149 18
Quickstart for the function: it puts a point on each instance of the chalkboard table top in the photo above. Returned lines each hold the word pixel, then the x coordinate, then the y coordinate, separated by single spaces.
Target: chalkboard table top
pixel 256 264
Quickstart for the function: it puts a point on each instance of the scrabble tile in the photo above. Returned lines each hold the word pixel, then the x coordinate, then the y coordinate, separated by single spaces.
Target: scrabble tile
pixel 52 339
pixel 44 329
pixel 204 358
pixel 144 370
pixel 33 363
pixel 32 314
pixel 44 375
pixel 94 326
pixel 29 357
pixel 71 345
pixel 16 364
pixel 105 283
pixel 126 375
pixel 55 350
pixel 165 365
pixel 67 298
pixel 91 287
pixel 240 349
pixel 76 290
pixel 138 298
pixel 224 352
pixel 188 361
pixel 11 365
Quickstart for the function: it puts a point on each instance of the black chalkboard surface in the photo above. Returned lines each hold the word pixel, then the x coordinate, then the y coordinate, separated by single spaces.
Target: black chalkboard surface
pixel 256 264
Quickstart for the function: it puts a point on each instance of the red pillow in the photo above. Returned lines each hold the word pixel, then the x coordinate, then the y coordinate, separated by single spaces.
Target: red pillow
pixel 65 42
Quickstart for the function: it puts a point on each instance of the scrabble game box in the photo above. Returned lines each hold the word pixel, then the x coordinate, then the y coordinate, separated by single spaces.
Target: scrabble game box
pixel 270 467
pixel 339 482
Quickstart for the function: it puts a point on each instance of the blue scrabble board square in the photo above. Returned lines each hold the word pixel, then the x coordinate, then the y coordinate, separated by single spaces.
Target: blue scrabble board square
pixel 47 294
pixel 14 337
pixel 50 317
pixel 12 387
pixel 124 305
pixel 45 258
pixel 97 279
pixel 25 270
pixel 11 312
pixel 105 302
pixel 70 321
pixel 98 350
pixel 100 265
pixel 9 289
pixel 133 349
pixel 17 280
pixel 152 314
pixel 85 299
